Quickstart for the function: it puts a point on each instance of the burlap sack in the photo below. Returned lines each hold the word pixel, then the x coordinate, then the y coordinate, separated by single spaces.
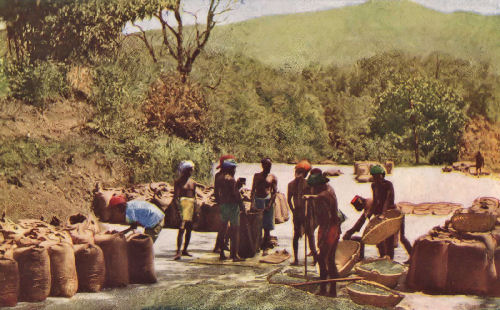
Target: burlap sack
pixel 80 234
pixel 429 265
pixel 467 267
pixel 90 267
pixel 9 282
pixel 114 247
pixel 34 273
pixel 281 214
pixel 141 259
pixel 64 281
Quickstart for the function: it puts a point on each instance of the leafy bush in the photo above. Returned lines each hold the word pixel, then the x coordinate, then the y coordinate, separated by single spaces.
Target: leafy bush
pixel 18 153
pixel 177 108
pixel 38 84
pixel 119 87
pixel 151 157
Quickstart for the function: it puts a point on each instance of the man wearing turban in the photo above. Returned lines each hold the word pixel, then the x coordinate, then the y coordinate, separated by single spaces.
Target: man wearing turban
pixel 218 178
pixel 230 204
pixel 185 199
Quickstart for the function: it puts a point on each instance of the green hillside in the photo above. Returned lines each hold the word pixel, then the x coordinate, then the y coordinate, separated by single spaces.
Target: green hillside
pixel 342 36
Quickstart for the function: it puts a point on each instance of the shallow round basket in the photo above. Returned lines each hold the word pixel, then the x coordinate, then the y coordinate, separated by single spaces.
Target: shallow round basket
pixel 346 256
pixel 362 297
pixel 388 279
pixel 473 222
pixel 380 229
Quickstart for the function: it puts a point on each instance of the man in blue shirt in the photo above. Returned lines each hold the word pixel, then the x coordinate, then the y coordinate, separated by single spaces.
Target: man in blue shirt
pixel 139 212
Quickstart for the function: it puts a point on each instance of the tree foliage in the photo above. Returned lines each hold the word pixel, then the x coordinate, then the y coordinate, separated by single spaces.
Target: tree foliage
pixel 423 115
pixel 62 30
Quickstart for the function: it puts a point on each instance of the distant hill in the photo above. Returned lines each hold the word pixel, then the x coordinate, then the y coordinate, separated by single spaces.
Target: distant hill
pixel 344 35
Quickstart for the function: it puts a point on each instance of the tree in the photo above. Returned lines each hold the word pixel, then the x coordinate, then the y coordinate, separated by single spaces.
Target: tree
pixel 39 30
pixel 422 115
pixel 183 44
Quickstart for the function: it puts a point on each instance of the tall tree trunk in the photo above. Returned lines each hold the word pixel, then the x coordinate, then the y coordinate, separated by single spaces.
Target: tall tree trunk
pixel 415 136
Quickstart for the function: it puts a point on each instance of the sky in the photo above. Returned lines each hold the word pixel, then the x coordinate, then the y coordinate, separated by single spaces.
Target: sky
pixel 248 9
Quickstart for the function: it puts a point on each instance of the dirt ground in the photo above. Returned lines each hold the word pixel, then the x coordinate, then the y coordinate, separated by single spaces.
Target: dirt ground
pixel 185 284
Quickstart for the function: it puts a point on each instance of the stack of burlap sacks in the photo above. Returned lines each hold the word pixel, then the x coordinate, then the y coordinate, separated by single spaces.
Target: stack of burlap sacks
pixel 463 256
pixel 38 260
pixel 468 167
pixel 206 215
pixel 362 169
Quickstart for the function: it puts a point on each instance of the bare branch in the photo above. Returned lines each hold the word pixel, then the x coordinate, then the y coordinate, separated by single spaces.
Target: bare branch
pixel 144 38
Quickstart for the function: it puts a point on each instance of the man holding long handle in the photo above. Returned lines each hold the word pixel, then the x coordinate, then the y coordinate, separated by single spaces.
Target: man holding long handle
pixel 297 188
pixel 326 213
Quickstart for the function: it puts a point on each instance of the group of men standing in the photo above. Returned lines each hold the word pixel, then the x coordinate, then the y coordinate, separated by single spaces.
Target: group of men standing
pixel 311 199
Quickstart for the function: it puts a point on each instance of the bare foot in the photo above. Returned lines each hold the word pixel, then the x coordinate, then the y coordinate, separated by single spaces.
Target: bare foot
pixel 238 259
pixel 177 256
pixel 186 253
pixel 295 263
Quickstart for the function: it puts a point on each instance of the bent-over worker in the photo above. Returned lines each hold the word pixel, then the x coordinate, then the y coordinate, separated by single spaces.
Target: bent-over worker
pixel 138 212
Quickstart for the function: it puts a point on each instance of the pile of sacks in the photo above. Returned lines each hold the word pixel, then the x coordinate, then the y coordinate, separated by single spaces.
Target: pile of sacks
pixel 362 169
pixel 38 260
pixel 206 215
pixel 426 208
pixel 468 167
pixel 463 256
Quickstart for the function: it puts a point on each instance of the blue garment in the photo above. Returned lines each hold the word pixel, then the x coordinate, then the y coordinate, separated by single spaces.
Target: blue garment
pixel 146 214
pixel 268 215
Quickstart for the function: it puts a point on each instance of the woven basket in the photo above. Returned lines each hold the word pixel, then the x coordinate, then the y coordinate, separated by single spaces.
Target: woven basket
pixel 346 256
pixel 473 222
pixel 389 280
pixel 374 299
pixel 380 229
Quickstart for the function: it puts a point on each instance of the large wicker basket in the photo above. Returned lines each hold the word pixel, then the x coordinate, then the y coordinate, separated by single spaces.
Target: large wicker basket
pixel 387 279
pixel 473 222
pixel 379 229
pixel 390 299
pixel 346 256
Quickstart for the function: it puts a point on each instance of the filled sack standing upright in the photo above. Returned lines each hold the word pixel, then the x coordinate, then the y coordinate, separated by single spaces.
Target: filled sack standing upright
pixel 9 282
pixel 34 273
pixel 114 247
pixel 141 259
pixel 64 279
pixel 90 267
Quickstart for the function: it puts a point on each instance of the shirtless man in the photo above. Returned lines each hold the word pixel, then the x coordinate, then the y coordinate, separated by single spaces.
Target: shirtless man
pixel 218 178
pixel 383 200
pixel 185 199
pixel 296 190
pixel 326 212
pixel 231 204
pixel 264 189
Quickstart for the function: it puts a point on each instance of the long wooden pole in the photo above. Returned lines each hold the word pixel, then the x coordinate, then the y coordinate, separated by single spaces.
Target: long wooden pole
pixel 305 242
pixel 328 280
